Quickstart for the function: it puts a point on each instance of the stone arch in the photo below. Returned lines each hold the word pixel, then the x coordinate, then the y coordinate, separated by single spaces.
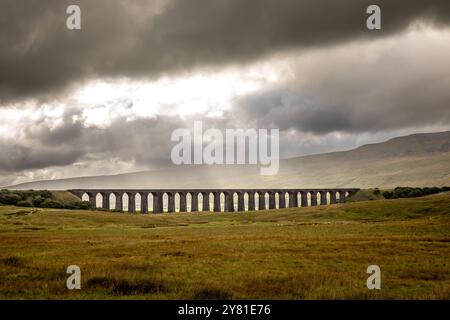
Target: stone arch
pixel 170 202
pixel 328 193
pixel 137 200
pixel 246 200
pixel 176 200
pixel 85 196
pixel 165 202
pixel 234 198
pixel 331 197
pixel 200 201
pixel 211 201
pixel 125 198
pixel 189 199
pixel 266 200
pixel 98 200
pixel 277 199
pixel 222 202
pixel 303 198
pixel 150 202
pixel 308 198
pixel 257 201
pixel 112 201
pixel 321 198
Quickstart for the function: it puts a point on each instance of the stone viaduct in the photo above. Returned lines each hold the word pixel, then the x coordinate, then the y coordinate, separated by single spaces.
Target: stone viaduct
pixel 217 200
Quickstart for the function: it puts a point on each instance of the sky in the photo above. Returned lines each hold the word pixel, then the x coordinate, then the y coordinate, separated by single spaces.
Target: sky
pixel 105 99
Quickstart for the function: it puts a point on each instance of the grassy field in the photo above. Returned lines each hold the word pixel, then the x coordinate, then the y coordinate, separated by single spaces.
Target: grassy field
pixel 299 253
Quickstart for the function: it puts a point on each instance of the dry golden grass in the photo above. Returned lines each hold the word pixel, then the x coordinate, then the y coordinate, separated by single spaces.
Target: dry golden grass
pixel 301 253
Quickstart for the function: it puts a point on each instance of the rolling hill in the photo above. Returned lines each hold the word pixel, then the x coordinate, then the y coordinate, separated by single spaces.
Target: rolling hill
pixel 414 160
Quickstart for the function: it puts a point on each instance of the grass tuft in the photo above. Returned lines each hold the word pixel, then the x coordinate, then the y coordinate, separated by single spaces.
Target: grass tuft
pixel 13 261
pixel 212 294
pixel 121 287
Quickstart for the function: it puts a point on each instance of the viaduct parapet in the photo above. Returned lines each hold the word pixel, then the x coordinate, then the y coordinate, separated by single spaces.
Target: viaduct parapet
pixel 216 200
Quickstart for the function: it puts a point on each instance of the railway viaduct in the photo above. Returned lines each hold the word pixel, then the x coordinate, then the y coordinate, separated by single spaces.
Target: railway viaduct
pixel 217 200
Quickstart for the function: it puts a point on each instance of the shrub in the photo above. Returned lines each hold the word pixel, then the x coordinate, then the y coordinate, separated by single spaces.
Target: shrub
pixel 48 203
pixel 81 205
pixel 24 203
pixel 402 192
pixel 416 193
pixel 41 193
pixel 388 194
pixel 45 194
pixel 9 198
pixel 408 192
pixel 84 205
pixel 435 190
pixel 376 191
pixel 37 201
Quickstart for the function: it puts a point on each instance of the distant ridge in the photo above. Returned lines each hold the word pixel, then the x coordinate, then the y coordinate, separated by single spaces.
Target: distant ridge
pixel 413 160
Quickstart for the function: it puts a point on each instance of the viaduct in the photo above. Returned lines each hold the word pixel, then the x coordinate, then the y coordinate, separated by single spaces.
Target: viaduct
pixel 219 198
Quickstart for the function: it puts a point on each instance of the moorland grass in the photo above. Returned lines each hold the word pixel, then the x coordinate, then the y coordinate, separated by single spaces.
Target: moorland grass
pixel 298 253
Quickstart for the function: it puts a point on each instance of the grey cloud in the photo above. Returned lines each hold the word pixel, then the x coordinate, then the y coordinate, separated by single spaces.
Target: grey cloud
pixel 40 57
pixel 142 141
pixel 406 86
pixel 17 157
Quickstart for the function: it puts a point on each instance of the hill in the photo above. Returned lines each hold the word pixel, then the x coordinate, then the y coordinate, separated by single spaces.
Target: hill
pixel 414 160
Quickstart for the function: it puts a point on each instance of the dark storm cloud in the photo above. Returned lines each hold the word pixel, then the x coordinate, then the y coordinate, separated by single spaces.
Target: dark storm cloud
pixel 392 85
pixel 142 38
pixel 16 157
